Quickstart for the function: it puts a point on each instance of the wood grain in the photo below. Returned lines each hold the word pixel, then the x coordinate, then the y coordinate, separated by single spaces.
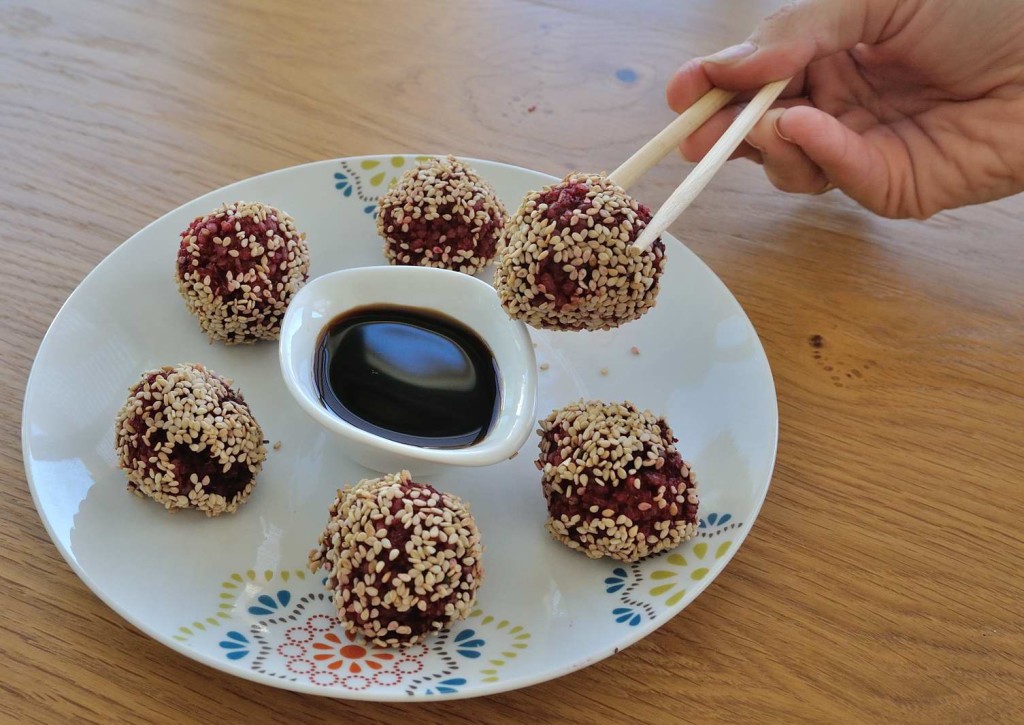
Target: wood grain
pixel 883 579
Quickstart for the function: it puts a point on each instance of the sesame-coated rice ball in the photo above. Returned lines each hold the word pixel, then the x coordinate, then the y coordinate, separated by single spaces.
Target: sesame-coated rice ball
pixel 615 484
pixel 238 268
pixel 403 560
pixel 440 214
pixel 187 439
pixel 568 262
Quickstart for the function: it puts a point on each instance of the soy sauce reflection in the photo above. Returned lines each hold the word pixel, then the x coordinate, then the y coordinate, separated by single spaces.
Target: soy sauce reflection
pixel 408 375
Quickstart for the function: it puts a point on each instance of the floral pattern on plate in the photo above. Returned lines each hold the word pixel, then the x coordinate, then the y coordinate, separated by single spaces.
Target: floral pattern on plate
pixel 284 625
pixel 369 178
pixel 642 590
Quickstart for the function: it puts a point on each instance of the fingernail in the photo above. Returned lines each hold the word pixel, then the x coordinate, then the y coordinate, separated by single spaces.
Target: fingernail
pixel 732 54
pixel 778 131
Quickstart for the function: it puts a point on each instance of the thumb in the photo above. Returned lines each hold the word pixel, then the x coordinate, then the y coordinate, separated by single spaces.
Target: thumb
pixel 866 171
pixel 800 32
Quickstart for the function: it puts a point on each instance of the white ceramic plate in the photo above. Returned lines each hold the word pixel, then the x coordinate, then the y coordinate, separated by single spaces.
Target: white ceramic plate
pixel 233 592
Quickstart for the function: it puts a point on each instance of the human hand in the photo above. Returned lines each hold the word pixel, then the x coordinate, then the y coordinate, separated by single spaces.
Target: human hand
pixel 907 106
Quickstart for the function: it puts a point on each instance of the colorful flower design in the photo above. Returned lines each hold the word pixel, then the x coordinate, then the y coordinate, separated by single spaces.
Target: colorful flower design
pixel 510 640
pixel 236 584
pixel 715 520
pixel 626 615
pixel 691 566
pixel 268 604
pixel 639 587
pixel 716 524
pixel 624 581
pixel 287 628
pixel 236 644
pixel 370 177
pixel 616 581
pixel 291 631
pixel 231 589
pixel 343 652
pixel 468 644
pixel 342 184
pixel 446 687
pixel 320 651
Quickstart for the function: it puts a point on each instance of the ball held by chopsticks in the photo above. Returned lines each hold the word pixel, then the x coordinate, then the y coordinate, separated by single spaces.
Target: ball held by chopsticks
pixel 567 260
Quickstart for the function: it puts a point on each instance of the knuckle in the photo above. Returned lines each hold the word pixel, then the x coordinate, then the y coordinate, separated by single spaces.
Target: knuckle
pixel 780 18
pixel 787 182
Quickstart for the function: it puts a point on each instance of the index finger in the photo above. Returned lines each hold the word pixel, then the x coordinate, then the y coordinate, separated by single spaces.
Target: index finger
pixel 691 82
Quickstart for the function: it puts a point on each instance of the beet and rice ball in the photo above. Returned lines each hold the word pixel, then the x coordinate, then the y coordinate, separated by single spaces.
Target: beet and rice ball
pixel 187 439
pixel 614 482
pixel 402 559
pixel 567 260
pixel 440 214
pixel 238 268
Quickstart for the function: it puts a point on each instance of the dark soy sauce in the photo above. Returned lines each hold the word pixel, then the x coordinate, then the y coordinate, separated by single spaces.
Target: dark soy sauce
pixel 409 375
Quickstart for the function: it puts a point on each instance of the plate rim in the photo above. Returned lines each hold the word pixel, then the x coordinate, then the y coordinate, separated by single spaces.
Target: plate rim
pixel 505 685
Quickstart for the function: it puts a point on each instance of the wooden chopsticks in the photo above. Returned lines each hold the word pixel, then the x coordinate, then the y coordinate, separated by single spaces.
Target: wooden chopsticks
pixel 695 182
pixel 658 147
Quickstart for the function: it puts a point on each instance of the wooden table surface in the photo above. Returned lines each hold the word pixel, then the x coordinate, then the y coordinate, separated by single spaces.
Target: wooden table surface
pixel 883 578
